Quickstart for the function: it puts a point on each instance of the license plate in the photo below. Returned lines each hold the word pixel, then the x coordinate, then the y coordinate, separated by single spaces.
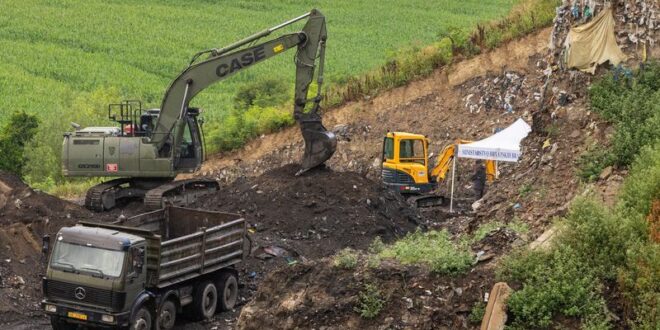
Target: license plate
pixel 78 316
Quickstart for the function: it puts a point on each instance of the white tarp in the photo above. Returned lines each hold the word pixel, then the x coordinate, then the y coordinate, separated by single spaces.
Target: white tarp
pixel 502 146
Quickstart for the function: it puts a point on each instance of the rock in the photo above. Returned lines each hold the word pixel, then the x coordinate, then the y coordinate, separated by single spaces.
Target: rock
pixel 575 134
pixel 543 242
pixel 18 203
pixel 16 281
pixel 376 164
pixel 605 173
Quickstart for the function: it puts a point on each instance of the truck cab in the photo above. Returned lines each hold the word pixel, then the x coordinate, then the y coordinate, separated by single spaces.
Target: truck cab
pixel 93 275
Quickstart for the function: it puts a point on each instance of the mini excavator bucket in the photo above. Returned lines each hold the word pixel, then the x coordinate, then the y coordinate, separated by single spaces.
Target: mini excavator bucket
pixel 320 144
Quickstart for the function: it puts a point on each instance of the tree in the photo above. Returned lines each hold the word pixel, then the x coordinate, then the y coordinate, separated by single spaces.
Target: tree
pixel 18 132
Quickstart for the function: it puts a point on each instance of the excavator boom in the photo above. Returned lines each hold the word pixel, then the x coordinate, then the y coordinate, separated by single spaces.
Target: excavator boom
pixel 223 63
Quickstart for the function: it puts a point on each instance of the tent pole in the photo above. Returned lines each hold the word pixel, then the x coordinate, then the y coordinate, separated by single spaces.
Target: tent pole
pixel 451 198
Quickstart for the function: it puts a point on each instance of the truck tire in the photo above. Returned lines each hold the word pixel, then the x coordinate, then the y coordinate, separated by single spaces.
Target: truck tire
pixel 205 300
pixel 167 316
pixel 141 320
pixel 228 286
pixel 57 324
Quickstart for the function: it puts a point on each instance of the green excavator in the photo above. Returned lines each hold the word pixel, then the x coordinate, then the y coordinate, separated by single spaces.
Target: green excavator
pixel 150 147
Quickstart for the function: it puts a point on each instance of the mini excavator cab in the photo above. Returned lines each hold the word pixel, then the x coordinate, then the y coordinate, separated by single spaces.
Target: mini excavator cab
pixel 406 162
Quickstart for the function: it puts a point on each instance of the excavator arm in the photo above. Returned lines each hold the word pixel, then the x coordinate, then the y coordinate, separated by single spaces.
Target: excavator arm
pixel 223 63
pixel 439 172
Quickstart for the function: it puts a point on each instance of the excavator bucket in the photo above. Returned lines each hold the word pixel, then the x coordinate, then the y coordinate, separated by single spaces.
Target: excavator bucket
pixel 320 144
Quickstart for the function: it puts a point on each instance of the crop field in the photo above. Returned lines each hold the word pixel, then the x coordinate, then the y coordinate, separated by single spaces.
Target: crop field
pixel 65 61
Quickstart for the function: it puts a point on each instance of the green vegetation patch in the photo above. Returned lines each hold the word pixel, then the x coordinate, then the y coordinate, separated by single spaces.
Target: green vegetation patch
pixel 434 248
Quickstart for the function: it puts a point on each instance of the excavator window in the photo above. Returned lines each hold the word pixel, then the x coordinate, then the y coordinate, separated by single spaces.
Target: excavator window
pixel 412 151
pixel 388 148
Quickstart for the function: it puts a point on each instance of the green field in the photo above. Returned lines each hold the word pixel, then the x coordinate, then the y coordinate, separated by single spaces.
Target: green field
pixel 65 60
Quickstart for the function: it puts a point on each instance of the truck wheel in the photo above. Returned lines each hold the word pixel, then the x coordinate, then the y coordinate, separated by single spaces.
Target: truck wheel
pixel 167 316
pixel 228 285
pixel 58 324
pixel 142 320
pixel 205 300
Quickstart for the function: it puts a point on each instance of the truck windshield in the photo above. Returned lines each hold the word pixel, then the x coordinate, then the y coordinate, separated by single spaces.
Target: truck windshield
pixel 87 259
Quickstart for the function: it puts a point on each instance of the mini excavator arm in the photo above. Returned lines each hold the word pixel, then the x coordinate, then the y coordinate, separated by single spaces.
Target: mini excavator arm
pixel 439 172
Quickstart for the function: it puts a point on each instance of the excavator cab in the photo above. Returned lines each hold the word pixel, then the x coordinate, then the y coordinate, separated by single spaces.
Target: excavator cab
pixel 405 163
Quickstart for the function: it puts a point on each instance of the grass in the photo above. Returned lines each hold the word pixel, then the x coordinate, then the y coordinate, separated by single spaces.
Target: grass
pixel 433 248
pixel 346 259
pixel 517 225
pixel 66 60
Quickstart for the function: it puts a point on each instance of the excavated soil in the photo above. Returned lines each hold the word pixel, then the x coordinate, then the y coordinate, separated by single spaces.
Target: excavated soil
pixel 315 214
pixel 300 297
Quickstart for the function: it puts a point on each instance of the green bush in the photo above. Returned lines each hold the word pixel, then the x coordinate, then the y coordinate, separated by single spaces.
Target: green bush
pixel 554 283
pixel 370 301
pixel 17 133
pixel 477 312
pixel 261 93
pixel 434 248
pixel 642 186
pixel 345 259
pixel 634 110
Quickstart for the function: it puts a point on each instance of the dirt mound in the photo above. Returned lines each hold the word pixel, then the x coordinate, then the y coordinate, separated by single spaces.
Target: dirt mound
pixel 318 213
pixel 25 205
pixel 299 297
pixel 25 216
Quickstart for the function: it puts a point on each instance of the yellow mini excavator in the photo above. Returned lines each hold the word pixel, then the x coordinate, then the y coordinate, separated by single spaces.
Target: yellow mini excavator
pixel 406 167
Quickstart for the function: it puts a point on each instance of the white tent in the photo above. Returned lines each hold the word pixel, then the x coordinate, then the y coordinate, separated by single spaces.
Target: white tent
pixel 502 146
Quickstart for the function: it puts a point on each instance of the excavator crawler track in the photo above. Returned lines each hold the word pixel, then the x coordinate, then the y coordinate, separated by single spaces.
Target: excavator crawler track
pixel 182 192
pixel 103 196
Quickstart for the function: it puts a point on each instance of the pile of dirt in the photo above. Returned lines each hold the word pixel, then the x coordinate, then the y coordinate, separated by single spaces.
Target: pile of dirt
pixel 318 295
pixel 317 213
pixel 25 216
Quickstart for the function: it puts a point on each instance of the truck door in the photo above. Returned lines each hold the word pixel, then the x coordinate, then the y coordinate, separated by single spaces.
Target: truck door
pixel 136 273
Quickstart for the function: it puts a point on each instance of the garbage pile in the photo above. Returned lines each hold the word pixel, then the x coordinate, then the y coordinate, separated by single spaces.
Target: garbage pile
pixel 637 22
pixel 502 93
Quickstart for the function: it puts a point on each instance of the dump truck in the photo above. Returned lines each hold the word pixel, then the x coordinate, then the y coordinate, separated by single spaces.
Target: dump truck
pixel 140 272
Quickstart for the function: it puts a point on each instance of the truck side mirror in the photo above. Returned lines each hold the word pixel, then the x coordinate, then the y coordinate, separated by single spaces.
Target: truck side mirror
pixel 45 244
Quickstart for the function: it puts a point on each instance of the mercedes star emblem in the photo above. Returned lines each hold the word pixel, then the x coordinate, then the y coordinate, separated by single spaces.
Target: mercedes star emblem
pixel 79 293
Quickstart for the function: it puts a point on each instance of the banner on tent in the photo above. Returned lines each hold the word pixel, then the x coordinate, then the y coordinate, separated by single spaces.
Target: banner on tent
pixel 465 151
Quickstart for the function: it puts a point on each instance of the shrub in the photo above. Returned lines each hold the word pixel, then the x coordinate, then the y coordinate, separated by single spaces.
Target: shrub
pixel 433 248
pixel 477 312
pixel 634 110
pixel 346 259
pixel 642 186
pixel 377 245
pixel 17 133
pixel 554 283
pixel 370 301
pixel 261 93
